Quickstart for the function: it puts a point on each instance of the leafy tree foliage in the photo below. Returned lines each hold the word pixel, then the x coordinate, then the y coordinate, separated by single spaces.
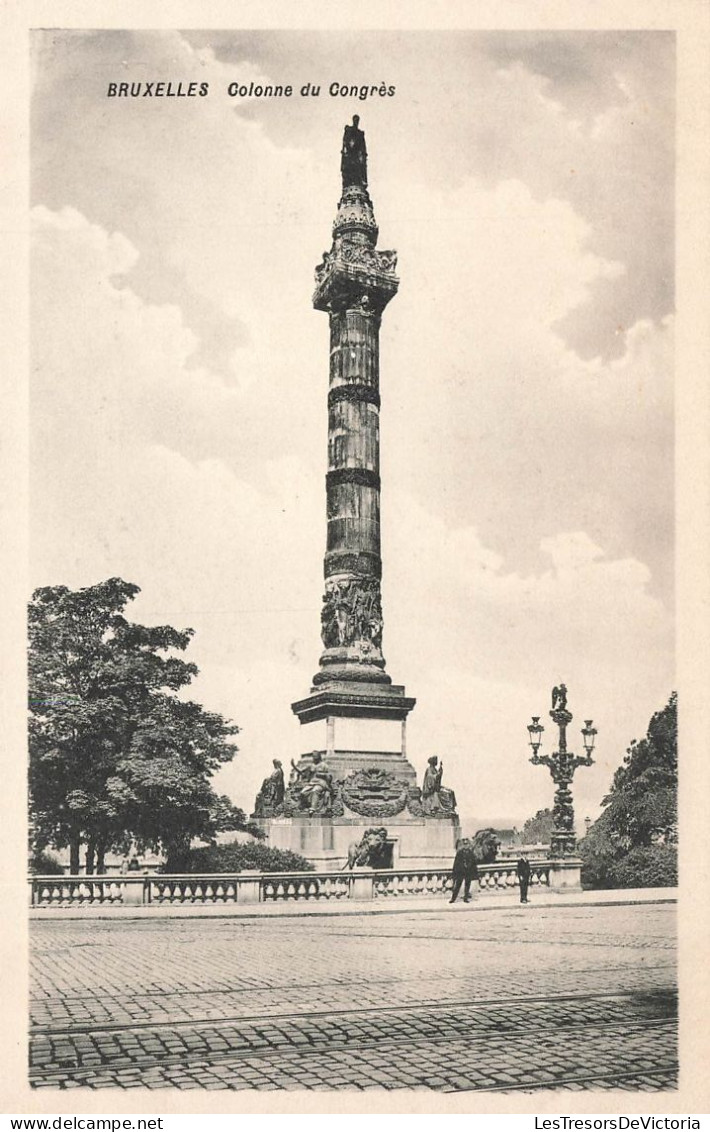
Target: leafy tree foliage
pixel 235 857
pixel 115 755
pixel 538 830
pixel 46 864
pixel 633 843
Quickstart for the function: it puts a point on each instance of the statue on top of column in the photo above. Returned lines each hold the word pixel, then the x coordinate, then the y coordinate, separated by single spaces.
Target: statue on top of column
pixel 353 163
pixel 559 698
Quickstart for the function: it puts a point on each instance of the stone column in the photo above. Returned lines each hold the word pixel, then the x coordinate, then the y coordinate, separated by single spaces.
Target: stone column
pixel 354 284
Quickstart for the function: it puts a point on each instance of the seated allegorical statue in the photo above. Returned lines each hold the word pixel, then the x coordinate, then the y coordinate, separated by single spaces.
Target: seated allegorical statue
pixel 314 787
pixel 436 799
pixel 271 794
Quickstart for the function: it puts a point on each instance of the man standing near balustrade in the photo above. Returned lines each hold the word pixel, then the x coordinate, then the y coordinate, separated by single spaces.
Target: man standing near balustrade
pixel 523 871
pixel 464 870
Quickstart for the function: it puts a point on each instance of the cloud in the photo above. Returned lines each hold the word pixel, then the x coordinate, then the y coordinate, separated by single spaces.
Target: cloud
pixel 178 409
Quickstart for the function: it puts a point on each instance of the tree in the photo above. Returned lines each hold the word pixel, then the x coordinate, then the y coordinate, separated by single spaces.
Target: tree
pixel 634 841
pixel 538 830
pixel 236 856
pixel 115 755
pixel 46 864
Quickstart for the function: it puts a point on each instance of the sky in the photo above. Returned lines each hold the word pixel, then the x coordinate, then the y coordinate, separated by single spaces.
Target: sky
pixel 179 373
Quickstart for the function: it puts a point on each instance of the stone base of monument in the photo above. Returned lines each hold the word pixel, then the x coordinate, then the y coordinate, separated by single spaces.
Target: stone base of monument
pixel 565 875
pixel 413 843
pixel 356 777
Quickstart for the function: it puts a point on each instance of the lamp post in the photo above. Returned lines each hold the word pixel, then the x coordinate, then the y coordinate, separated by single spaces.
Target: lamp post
pixel 562 765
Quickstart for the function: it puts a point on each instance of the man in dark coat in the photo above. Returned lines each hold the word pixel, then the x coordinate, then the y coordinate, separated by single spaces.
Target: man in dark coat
pixel 523 871
pixel 464 870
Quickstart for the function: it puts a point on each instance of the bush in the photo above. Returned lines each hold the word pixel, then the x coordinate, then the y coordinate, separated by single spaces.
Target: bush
pixel 235 857
pixel 46 864
pixel 647 866
pixel 650 866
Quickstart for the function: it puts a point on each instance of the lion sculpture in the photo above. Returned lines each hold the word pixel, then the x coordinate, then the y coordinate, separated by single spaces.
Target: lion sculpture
pixel 368 851
pixel 485 846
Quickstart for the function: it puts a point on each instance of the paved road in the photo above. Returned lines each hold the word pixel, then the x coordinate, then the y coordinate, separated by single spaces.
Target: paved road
pixel 444 999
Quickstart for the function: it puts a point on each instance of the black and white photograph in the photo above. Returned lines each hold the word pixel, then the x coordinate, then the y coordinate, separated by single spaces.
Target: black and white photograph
pixel 352 668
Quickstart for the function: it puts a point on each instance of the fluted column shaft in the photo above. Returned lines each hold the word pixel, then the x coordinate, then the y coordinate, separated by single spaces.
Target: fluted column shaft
pixel 353 480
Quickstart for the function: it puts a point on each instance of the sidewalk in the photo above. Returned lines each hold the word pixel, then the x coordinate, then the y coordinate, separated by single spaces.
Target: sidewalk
pixel 540 898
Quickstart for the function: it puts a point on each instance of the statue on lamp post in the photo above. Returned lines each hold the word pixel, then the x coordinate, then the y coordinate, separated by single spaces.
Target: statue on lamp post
pixel 562 765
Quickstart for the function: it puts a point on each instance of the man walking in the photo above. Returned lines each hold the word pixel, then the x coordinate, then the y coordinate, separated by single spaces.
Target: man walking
pixel 464 870
pixel 523 871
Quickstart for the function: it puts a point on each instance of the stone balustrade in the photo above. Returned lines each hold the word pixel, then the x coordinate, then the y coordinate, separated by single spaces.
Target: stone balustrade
pixel 501 876
pixel 306 886
pixel 68 891
pixel 251 888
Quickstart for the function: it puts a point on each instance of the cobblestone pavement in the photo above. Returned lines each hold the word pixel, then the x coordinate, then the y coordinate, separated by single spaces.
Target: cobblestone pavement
pixel 514 999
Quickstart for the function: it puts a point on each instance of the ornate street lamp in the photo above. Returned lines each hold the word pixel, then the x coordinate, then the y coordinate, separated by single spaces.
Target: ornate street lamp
pixel 589 734
pixel 535 729
pixel 562 765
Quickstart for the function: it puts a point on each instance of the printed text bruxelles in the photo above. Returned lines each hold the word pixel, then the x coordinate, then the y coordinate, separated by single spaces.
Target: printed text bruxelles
pixel 170 89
